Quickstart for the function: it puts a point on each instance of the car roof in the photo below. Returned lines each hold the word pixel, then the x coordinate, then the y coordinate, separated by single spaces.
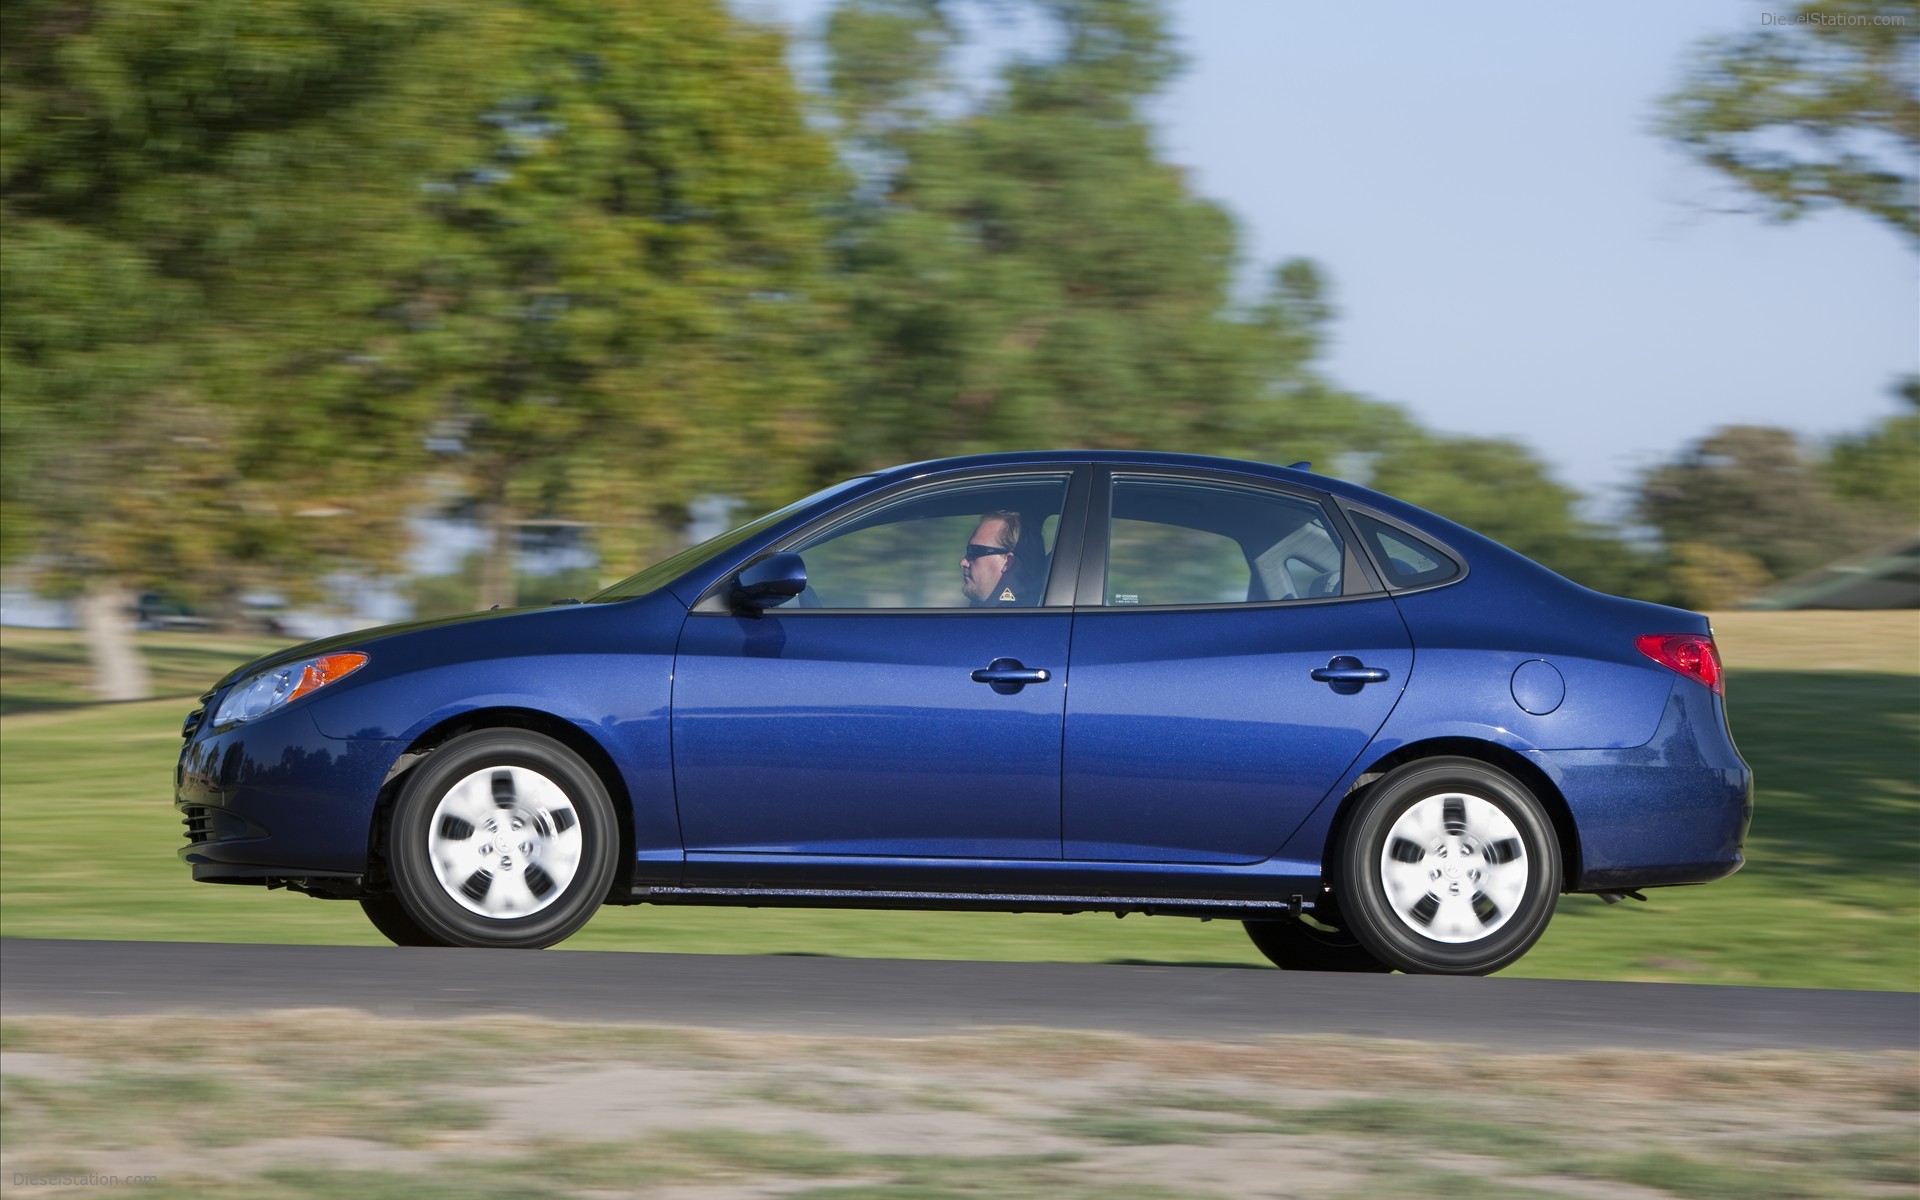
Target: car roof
pixel 1157 458
pixel 1299 473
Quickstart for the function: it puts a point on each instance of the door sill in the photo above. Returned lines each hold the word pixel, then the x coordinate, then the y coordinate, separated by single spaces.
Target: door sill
pixel 1184 906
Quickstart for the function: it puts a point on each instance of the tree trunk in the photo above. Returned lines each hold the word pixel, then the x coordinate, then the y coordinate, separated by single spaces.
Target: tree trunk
pixel 119 673
pixel 499 565
pixel 230 612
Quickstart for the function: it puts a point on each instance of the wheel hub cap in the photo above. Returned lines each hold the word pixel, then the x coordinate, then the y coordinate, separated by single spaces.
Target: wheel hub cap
pixel 1454 867
pixel 505 842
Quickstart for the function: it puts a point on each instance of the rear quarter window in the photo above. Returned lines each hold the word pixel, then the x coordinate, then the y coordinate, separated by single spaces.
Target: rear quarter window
pixel 1407 559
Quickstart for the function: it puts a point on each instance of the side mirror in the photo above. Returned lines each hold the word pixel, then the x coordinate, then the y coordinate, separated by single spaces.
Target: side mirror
pixel 770 582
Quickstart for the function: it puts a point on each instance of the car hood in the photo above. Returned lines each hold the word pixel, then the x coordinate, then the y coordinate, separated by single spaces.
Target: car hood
pixel 361 639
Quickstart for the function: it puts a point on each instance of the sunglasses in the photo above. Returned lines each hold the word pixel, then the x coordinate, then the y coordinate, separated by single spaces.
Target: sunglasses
pixel 976 550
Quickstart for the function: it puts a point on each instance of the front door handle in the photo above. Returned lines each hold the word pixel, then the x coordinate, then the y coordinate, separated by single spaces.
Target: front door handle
pixel 1348 674
pixel 1007 675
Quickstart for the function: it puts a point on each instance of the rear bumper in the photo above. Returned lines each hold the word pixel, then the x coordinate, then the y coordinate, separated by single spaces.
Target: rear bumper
pixel 1673 811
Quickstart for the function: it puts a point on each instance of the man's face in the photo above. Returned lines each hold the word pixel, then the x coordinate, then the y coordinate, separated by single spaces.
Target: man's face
pixel 980 576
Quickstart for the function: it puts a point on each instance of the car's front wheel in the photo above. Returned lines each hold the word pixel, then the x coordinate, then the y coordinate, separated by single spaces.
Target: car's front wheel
pixel 502 838
pixel 394 922
pixel 1449 867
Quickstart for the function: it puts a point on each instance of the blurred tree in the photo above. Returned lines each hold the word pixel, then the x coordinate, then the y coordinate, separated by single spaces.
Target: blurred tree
pixel 198 203
pixel 1714 577
pixel 263 258
pixel 1880 469
pixel 624 303
pixel 84 333
pixel 453 592
pixel 1750 490
pixel 1818 106
pixel 1496 487
pixel 1024 270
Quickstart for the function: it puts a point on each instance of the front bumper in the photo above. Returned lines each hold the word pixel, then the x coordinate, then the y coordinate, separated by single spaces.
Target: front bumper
pixel 277 801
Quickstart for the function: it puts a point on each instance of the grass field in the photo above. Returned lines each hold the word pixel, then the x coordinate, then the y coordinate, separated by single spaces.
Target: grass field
pixel 1825 706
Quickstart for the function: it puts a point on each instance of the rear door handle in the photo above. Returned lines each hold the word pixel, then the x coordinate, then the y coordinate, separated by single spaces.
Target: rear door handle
pixel 1008 675
pixel 1346 669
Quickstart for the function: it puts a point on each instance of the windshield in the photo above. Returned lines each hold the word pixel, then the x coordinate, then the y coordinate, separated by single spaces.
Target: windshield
pixel 669 569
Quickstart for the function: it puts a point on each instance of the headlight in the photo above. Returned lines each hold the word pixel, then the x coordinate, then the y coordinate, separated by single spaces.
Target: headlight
pixel 260 695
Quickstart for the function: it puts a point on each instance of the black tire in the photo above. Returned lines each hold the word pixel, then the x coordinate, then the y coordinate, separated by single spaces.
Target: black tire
pixel 393 922
pixel 503 838
pixel 1302 945
pixel 1449 867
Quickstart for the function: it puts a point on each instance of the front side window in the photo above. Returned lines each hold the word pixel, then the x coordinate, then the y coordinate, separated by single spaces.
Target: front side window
pixel 982 543
pixel 1190 541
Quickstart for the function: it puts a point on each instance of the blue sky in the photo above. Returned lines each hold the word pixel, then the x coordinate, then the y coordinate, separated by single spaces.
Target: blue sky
pixel 1513 252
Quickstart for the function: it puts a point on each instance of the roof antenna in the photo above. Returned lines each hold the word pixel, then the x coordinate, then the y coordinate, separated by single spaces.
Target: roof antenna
pixel 1302 465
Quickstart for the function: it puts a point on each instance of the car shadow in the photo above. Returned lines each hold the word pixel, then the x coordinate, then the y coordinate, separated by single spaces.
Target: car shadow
pixel 1107 962
pixel 1155 962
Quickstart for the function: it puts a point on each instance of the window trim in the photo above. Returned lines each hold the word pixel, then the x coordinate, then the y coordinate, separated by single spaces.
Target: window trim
pixel 1092 591
pixel 1372 553
pixel 1060 580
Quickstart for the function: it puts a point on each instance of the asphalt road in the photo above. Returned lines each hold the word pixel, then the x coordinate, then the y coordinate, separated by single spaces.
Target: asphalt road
pixel 890 997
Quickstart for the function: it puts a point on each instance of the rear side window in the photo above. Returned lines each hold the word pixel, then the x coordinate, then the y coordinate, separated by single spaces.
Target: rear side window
pixel 1175 541
pixel 1408 561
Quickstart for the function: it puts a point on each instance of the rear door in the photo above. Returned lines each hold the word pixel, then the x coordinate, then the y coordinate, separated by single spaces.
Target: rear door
pixel 1196 728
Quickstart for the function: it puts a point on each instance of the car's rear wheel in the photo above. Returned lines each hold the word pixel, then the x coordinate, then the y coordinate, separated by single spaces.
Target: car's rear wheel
pixel 502 838
pixel 1449 867
pixel 1306 945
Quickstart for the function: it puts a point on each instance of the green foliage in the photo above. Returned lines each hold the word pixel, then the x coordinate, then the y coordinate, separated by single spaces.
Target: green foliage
pixel 1747 506
pixel 197 199
pixel 621 303
pixel 1819 107
pixel 1751 490
pixel 1880 469
pixel 257 254
pixel 85 334
pixel 1705 576
pixel 1023 269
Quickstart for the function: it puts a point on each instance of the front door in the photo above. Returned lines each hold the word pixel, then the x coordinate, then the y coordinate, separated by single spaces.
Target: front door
pixel 910 702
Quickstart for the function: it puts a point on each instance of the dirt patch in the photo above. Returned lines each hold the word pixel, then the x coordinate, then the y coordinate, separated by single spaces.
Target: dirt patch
pixel 319 1104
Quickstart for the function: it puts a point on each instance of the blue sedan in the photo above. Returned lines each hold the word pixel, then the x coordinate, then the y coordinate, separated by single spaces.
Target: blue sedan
pixel 1063 682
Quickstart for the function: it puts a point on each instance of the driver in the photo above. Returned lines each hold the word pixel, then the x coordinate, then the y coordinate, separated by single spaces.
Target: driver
pixel 990 570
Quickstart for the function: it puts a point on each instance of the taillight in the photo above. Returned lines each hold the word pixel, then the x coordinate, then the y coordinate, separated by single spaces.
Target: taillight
pixel 1691 654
